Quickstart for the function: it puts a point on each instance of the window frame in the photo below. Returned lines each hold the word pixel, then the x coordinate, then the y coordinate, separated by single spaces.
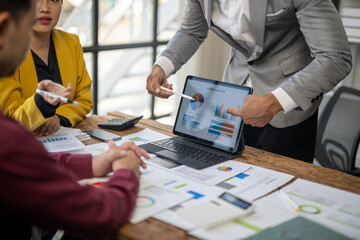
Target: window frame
pixel 96 48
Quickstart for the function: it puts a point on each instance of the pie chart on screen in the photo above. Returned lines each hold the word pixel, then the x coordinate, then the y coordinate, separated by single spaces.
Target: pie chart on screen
pixel 198 102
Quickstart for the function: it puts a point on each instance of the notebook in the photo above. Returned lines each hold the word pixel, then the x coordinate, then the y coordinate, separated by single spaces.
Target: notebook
pixel 206 134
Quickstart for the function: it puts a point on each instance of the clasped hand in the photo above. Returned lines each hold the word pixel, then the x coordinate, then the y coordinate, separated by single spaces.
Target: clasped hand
pixel 125 156
pixel 53 123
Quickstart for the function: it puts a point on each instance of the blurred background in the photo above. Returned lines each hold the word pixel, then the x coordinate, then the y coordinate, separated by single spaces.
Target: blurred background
pixel 122 39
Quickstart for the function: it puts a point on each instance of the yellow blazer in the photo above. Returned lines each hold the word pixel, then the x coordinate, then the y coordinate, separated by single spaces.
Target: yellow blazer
pixel 17 91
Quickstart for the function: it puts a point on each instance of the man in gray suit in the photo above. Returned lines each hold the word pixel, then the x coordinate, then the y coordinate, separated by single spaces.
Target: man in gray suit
pixel 290 51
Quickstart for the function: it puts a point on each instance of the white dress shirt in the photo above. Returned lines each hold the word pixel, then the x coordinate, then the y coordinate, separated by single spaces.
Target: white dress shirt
pixel 233 17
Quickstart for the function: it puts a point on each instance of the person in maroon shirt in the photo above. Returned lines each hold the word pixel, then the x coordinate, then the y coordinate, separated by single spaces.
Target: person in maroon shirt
pixel 41 189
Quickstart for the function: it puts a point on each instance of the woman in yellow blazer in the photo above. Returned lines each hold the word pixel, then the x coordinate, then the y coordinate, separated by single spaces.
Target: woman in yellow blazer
pixel 55 55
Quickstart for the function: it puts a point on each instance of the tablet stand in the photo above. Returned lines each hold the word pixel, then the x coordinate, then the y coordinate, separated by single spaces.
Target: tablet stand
pixel 241 147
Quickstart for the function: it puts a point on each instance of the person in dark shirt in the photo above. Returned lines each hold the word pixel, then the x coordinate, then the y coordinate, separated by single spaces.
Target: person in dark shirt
pixel 41 189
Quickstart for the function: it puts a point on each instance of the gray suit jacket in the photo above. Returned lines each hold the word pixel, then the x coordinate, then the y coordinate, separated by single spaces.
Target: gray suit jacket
pixel 301 46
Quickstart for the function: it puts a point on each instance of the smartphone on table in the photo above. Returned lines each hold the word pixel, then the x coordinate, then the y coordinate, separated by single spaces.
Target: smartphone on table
pixel 103 135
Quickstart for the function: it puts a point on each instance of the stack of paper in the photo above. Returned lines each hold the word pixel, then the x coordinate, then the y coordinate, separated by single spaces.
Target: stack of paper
pixel 82 136
pixel 166 187
pixel 246 180
pixel 154 199
pixel 142 137
pixel 63 140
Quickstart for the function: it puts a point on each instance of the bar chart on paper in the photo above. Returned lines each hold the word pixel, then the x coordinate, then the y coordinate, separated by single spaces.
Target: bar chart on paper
pixel 255 182
pixel 60 143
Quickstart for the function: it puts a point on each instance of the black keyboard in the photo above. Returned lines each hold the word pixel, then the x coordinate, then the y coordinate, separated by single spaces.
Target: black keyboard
pixel 188 150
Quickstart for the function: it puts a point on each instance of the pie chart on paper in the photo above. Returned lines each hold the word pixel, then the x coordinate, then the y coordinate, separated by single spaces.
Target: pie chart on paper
pixel 224 169
pixel 144 201
pixel 98 184
pixel 198 102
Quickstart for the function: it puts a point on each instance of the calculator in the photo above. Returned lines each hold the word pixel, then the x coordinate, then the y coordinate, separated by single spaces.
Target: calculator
pixel 213 212
pixel 120 124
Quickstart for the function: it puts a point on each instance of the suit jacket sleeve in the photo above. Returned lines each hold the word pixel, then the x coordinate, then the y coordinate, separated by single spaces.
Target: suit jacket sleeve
pixel 79 76
pixel 17 91
pixel 324 34
pixel 187 39
pixel 16 106
pixel 42 193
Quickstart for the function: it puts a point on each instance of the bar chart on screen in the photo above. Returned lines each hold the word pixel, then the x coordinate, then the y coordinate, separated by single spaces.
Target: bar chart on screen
pixel 221 129
pixel 221 113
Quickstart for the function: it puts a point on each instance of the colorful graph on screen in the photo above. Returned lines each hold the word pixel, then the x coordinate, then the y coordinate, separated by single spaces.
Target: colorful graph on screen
pixel 220 112
pixel 198 102
pixel 187 121
pixel 221 129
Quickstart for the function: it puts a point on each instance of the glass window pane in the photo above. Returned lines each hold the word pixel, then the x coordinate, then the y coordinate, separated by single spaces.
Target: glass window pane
pixel 122 80
pixel 76 17
pixel 124 21
pixel 170 14
pixel 89 62
pixel 167 106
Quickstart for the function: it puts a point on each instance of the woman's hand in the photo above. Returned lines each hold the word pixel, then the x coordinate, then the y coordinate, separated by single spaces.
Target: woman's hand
pixel 58 89
pixel 48 127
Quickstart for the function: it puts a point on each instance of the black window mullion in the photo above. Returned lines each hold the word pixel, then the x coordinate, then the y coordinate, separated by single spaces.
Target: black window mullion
pixel 155 29
pixel 95 49
pixel 124 46
pixel 96 55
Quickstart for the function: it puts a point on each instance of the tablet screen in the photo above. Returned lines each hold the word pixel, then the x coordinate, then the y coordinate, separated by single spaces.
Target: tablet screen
pixel 204 119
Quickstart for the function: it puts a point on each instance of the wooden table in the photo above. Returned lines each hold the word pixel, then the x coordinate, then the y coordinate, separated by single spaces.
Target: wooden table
pixel 155 229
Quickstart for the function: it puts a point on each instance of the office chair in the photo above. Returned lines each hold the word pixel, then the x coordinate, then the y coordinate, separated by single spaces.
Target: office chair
pixel 338 133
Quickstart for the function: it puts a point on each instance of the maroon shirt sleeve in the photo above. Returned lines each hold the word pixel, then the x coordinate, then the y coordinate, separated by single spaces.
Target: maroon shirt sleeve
pixel 35 189
pixel 77 165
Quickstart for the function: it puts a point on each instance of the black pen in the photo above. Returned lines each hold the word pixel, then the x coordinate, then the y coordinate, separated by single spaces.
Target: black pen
pixel 53 95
